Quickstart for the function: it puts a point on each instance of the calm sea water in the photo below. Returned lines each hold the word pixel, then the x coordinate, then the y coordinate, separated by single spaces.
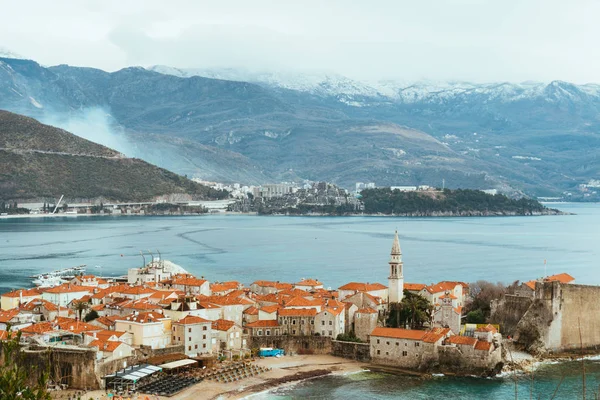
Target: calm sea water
pixel 334 250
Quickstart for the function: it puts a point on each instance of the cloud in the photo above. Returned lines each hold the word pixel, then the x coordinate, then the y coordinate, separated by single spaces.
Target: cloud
pixel 473 40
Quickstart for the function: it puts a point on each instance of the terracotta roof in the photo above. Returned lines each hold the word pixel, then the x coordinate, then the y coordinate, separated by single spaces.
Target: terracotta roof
pixel 105 334
pixel 362 287
pixel 192 319
pixel 335 310
pixel 482 345
pixel 251 311
pixel 366 310
pixel 106 345
pixel 142 305
pixel 142 318
pixel 562 278
pixel 276 285
pixel 224 286
pixel 31 304
pixel 187 280
pixel 67 288
pixel 300 312
pixel 302 302
pixel 137 290
pixel 98 307
pixel 106 321
pixel 462 340
pixel 294 292
pixel 270 309
pixel 442 286
pixel 6 316
pixel 73 325
pixel 265 323
pixel 530 284
pixel 309 282
pixel 3 334
pixel 23 292
pixel 40 327
pixel 458 310
pixel 222 325
pixel 414 287
pixel 432 337
pixel 398 333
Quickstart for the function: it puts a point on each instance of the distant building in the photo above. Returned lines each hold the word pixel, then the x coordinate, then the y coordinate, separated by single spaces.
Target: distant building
pixel 396 278
pixel 194 333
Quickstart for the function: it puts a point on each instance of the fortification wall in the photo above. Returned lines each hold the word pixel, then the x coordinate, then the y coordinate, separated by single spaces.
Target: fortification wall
pixel 352 350
pixel 562 318
pixel 508 311
pixel 294 344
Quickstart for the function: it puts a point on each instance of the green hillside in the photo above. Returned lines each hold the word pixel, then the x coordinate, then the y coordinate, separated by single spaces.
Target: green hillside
pixel 38 161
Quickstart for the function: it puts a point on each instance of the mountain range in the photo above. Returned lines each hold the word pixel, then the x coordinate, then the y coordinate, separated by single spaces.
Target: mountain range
pixel 234 125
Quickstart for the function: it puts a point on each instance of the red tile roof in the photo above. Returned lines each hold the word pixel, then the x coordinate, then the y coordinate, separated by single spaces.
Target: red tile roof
pixel 6 316
pixel 107 346
pixel 40 327
pixel 562 278
pixel 137 290
pixel 309 282
pixel 462 340
pixel 530 284
pixel 142 318
pixel 23 292
pixel 300 312
pixel 192 319
pixel 187 280
pixel 3 334
pixel 414 287
pixel 270 309
pixel 488 328
pixel 251 311
pixel 265 323
pixel 224 286
pixel 398 333
pixel 276 285
pixel 73 325
pixel 441 287
pixel 31 304
pixel 222 325
pixel 67 288
pixel 482 345
pixel 302 302
pixel 362 287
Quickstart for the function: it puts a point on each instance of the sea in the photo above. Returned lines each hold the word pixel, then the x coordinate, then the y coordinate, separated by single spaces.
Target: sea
pixel 334 250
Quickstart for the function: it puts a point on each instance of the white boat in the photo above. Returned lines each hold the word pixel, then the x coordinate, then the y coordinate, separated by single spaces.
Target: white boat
pixel 49 281
pixel 57 277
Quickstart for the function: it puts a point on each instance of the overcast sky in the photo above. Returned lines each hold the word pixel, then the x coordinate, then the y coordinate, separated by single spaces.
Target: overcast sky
pixel 499 40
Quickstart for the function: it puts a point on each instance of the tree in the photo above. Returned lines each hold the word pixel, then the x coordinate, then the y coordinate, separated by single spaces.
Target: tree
pixel 80 307
pixel 475 317
pixel 92 315
pixel 481 295
pixel 414 310
pixel 14 374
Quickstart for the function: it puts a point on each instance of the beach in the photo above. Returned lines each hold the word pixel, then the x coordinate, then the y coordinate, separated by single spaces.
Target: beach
pixel 284 371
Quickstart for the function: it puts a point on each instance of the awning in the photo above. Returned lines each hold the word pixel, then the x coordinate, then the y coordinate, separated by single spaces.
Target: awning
pixel 178 364
pixel 133 373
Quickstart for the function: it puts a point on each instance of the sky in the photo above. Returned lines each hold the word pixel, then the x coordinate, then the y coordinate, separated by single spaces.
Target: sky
pixel 468 40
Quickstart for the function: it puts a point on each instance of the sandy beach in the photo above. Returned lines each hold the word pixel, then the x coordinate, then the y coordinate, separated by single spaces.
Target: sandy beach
pixel 284 370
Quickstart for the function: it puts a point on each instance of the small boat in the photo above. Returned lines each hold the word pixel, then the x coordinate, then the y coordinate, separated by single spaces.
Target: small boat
pixel 57 277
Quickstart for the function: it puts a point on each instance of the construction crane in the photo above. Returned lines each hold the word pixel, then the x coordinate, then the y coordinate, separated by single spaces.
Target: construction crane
pixel 58 204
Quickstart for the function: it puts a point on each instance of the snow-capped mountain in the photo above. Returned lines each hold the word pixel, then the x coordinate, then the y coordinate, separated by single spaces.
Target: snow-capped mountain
pixel 361 93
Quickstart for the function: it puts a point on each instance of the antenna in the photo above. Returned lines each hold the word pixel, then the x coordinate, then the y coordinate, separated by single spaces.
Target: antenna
pixel 159 256
pixel 143 258
pixel 151 256
pixel 545 273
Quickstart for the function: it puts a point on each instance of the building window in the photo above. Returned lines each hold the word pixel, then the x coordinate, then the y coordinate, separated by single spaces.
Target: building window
pixel 259 333
pixel 417 344
pixel 312 321
pixel 387 353
pixel 196 347
pixel 377 343
pixel 173 329
pixel 189 348
pixel 204 346
pixel 397 343
pixel 388 343
pixel 330 333
pixel 179 338
pixel 404 353
pixel 302 321
pixel 330 323
pixel 294 322
pixel 322 322
pixel 190 339
pixel 189 330
pixel 173 338
pixel 294 332
pixel 203 336
pixel 378 351
pixel 405 344
pixel 268 332
pixel 204 328
pixel 322 333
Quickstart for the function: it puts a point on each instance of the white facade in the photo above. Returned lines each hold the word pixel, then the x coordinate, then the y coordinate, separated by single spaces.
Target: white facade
pixel 396 278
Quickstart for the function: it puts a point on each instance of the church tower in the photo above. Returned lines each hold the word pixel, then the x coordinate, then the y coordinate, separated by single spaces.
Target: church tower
pixel 396 278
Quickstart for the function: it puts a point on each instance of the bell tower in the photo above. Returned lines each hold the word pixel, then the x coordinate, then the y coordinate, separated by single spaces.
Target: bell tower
pixel 396 278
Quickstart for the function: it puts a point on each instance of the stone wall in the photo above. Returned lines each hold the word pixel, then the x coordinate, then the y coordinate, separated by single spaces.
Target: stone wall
pixel 351 350
pixel 562 318
pixel 465 360
pixel 72 366
pixel 293 344
pixel 508 311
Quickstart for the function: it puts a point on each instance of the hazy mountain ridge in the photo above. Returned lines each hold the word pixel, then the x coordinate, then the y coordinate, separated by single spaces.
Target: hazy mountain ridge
pixel 540 138
pixel 38 161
